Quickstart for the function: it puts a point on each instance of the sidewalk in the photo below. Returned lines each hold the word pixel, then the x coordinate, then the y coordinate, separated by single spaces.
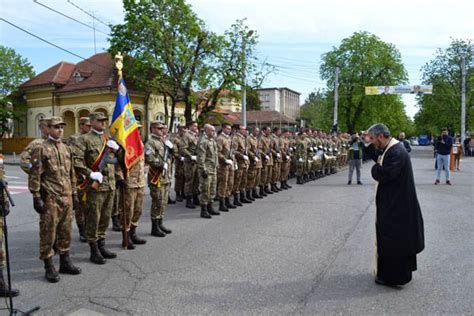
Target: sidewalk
pixel 9 159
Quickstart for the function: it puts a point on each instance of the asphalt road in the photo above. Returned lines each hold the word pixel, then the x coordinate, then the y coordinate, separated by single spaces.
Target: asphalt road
pixel 309 250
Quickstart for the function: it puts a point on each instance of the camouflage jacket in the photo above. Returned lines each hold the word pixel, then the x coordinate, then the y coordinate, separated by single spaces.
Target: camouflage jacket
pixel 255 150
pixel 241 150
pixel 25 156
pixel 207 155
pixel 190 144
pixel 155 151
pixel 52 170
pixel 136 175
pixel 223 149
pixel 267 150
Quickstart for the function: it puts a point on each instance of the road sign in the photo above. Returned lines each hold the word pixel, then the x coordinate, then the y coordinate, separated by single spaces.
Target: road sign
pixel 381 90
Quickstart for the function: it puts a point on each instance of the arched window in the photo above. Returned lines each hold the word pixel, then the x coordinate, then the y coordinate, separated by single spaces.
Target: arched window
pixel 38 118
pixel 160 117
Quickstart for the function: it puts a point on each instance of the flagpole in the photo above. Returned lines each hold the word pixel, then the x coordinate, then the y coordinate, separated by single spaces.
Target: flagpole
pixel 119 66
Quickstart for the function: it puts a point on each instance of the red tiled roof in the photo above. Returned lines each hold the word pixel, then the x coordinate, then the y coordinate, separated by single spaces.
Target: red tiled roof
pixel 262 117
pixel 58 74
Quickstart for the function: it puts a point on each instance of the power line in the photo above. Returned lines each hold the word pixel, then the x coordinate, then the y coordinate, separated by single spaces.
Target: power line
pixel 69 17
pixel 89 14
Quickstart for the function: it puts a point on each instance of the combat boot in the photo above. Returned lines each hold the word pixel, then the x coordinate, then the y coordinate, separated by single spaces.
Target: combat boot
pixel 116 227
pixel 243 198
pixel 133 236
pixel 179 196
pixel 196 200
pixel 50 271
pixel 104 251
pixel 236 200
pixel 277 188
pixel 262 192
pixel 299 180
pixel 170 200
pixel 155 229
pixel 267 190
pixel 130 245
pixel 96 257
pixel 4 291
pixel 255 194
pixel 189 202
pixel 204 213
pixel 222 206
pixel 82 233
pixel 66 266
pixel 283 185
pixel 163 228
pixel 287 185
pixel 273 188
pixel 211 210
pixel 229 204
pixel 249 196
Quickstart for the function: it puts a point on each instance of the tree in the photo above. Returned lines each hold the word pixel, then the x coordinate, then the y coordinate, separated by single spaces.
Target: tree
pixel 168 43
pixel 253 100
pixel 317 111
pixel 443 107
pixel 365 60
pixel 14 70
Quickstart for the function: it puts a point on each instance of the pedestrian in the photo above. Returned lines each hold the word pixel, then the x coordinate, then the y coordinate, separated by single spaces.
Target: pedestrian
pixel 406 144
pixel 443 151
pixel 52 181
pixel 356 147
pixel 457 150
pixel 399 223
pixel 207 170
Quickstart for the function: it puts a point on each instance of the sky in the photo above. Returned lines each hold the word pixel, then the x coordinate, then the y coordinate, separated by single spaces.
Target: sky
pixel 293 34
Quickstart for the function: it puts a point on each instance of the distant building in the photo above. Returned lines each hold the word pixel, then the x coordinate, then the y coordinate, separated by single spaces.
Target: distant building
pixel 75 90
pixel 283 100
pixel 263 118
pixel 228 101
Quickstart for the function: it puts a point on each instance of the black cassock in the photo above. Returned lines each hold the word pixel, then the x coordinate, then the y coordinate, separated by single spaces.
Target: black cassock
pixel 399 223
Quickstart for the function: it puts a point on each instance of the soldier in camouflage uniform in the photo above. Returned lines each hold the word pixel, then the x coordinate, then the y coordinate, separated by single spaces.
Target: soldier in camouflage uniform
pixel 226 163
pixel 158 154
pixel 255 163
pixel 267 161
pixel 25 155
pixel 301 155
pixel 277 159
pixel 100 185
pixel 84 128
pixel 286 160
pixel 179 164
pixel 4 211
pixel 188 151
pixel 52 181
pixel 242 165
pixel 230 184
pixel 207 169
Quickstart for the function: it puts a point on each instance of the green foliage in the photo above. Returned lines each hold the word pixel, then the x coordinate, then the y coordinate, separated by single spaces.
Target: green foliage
pixel 317 111
pixel 443 107
pixel 365 60
pixel 253 100
pixel 14 70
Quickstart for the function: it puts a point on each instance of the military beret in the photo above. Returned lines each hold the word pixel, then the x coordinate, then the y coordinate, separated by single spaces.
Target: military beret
pixel 84 120
pixel 98 116
pixel 55 120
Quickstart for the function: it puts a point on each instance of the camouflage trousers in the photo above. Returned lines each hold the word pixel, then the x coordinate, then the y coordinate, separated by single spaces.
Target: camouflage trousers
pixel 239 175
pixel 2 246
pixel 285 170
pixel 179 176
pixel 223 172
pixel 300 167
pixel 133 200
pixel 230 182
pixel 55 225
pixel 80 212
pixel 253 177
pixel 159 200
pixel 99 210
pixel 266 175
pixel 191 179
pixel 276 172
pixel 207 187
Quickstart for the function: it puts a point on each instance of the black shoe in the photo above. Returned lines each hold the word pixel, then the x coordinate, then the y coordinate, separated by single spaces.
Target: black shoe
pixel 170 200
pixel 349 182
pixel 163 228
pixel 189 202
pixel 229 204
pixel 155 229
pixel 104 251
pixel 130 245
pixel 4 291
pixel 96 257
pixel 116 227
pixel 382 282
pixel 82 233
pixel 204 213
pixel 210 209
pixel 66 266
pixel 222 206
pixel 50 271
pixel 133 236
pixel 358 182
pixel 243 198
pixel 236 200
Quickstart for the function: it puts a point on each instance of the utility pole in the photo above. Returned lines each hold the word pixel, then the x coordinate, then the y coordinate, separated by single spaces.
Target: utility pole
pixel 93 27
pixel 244 83
pixel 336 99
pixel 463 99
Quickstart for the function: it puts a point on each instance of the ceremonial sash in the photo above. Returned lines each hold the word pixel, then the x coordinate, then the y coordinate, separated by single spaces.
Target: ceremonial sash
pixel 95 165
pixel 155 177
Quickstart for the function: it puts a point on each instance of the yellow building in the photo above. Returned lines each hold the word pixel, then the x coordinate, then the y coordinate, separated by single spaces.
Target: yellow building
pixel 75 90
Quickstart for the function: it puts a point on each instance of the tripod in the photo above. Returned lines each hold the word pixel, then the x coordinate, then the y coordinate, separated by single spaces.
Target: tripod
pixel 3 207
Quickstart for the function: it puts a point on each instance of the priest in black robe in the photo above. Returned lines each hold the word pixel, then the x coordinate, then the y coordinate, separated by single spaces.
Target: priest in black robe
pixel 399 223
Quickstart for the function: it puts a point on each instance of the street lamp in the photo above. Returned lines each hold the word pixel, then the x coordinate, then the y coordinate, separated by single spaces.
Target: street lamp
pixel 244 88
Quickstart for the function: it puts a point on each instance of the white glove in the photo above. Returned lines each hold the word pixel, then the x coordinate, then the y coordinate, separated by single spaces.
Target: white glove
pixel 168 144
pixel 112 144
pixel 165 166
pixel 236 167
pixel 193 158
pixel 266 157
pixel 246 158
pixel 96 176
pixel 229 161
pixel 310 148
pixel 315 158
pixel 278 155
pixel 256 159
pixel 291 149
pixel 181 158
pixel 287 157
pixel 300 160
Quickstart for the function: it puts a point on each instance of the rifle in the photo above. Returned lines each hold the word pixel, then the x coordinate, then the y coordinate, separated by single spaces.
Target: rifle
pixel 231 151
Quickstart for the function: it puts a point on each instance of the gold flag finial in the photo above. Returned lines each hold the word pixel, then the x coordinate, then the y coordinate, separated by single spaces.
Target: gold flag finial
pixel 119 64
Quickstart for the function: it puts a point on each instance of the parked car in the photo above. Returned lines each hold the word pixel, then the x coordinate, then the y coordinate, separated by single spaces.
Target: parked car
pixel 414 141
pixel 423 140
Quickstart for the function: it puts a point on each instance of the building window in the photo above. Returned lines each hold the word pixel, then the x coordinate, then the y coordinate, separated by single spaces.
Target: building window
pixel 160 117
